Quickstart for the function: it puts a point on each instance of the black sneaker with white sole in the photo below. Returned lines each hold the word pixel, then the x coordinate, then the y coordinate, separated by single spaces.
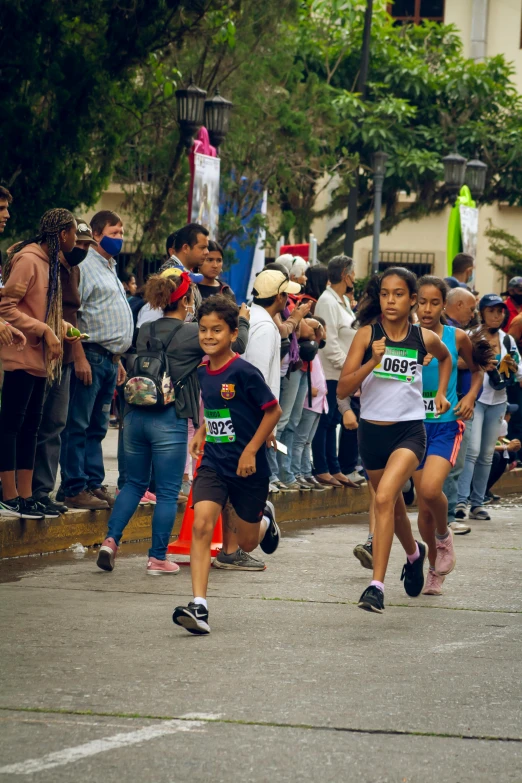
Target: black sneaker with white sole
pixel 31 509
pixel 49 509
pixel 364 554
pixel 11 508
pixel 413 573
pixel 372 600
pixel 271 538
pixel 193 618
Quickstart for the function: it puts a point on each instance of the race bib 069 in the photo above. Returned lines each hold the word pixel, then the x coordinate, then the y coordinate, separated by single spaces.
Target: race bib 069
pixel 398 364
pixel 219 426
pixel 429 404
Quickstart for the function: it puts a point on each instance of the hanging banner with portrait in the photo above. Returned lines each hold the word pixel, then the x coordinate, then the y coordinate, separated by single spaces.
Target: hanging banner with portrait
pixel 205 193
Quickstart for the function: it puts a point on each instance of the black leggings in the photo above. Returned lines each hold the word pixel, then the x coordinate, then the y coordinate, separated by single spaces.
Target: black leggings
pixel 20 416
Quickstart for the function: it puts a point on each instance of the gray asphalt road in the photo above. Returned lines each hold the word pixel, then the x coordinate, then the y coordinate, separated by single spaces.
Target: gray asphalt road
pixel 293 684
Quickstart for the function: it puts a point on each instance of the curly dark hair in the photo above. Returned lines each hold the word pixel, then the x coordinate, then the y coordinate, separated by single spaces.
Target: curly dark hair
pixel 223 307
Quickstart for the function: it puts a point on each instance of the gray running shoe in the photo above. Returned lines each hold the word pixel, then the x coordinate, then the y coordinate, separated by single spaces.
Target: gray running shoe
pixel 238 561
pixel 479 512
pixel 304 483
pixel 364 554
pixel 461 511
pixel 287 487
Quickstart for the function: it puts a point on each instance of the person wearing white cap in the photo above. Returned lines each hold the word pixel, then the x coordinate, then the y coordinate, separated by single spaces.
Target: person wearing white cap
pixel 271 289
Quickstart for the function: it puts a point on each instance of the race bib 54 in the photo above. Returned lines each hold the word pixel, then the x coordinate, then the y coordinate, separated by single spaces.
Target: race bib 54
pixel 398 364
pixel 219 426
pixel 429 404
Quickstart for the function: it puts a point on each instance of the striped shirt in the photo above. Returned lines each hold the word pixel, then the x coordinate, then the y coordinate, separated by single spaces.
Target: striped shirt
pixel 104 313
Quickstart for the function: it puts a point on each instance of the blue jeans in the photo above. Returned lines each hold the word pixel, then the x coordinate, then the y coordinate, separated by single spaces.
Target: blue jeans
pixel 300 464
pixel 289 388
pixel 473 480
pixel 81 458
pixel 287 435
pixel 450 487
pixel 159 439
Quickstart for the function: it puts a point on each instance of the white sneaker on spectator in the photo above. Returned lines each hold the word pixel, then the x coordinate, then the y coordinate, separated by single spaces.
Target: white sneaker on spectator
pixel 303 483
pixel 356 477
pixel 273 488
pixel 459 528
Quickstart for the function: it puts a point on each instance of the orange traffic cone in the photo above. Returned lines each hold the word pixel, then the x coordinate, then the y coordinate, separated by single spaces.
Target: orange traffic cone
pixel 182 545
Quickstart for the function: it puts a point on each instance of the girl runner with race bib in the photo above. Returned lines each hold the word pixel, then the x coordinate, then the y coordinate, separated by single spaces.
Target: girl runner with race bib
pixel 385 362
pixel 443 431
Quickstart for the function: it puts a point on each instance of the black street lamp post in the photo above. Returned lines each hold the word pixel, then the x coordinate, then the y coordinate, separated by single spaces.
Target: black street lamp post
pixel 476 177
pixel 190 105
pixel 454 172
pixel 379 171
pixel 353 196
pixel 217 118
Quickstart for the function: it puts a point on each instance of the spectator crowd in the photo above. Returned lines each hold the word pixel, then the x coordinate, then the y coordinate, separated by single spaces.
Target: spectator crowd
pixel 75 336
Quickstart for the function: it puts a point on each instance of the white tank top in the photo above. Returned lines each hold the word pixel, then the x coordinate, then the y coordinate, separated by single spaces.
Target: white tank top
pixel 393 390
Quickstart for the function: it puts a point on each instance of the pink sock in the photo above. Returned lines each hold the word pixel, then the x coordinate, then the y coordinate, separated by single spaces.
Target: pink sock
pixel 375 583
pixel 412 558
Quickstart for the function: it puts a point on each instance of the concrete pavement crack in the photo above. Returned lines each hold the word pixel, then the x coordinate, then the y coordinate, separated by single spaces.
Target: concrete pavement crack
pixel 264 724
pixel 268 598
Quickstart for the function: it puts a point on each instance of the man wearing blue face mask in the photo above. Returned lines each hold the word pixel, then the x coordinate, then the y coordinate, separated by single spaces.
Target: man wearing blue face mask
pixel 105 316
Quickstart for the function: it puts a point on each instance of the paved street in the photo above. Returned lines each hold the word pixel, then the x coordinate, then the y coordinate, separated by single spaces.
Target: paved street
pixel 293 684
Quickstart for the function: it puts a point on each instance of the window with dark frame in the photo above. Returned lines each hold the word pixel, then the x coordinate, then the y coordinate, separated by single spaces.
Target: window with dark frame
pixel 416 11
pixel 421 263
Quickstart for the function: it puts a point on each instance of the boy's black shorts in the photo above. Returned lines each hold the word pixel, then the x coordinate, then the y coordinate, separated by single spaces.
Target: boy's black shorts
pixel 247 496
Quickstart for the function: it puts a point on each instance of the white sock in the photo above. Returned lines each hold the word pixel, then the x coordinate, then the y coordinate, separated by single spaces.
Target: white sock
pixel 202 601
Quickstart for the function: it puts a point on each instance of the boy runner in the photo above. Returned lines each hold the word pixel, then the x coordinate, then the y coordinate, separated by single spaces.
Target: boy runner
pixel 241 414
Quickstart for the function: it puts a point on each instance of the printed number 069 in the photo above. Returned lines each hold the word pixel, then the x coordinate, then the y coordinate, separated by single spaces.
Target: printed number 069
pixel 396 365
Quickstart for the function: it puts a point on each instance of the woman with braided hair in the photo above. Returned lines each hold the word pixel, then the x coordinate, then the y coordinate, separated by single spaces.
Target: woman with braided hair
pixel 38 314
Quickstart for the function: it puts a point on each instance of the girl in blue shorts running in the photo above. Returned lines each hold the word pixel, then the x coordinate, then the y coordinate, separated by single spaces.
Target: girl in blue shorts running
pixel 443 431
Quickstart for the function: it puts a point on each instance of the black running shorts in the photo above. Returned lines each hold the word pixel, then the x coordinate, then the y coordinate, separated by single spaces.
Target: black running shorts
pixel 378 441
pixel 247 496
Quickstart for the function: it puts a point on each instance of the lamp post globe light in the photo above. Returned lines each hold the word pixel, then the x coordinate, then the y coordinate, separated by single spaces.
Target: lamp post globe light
pixel 475 177
pixel 217 118
pixel 190 103
pixel 379 171
pixel 454 172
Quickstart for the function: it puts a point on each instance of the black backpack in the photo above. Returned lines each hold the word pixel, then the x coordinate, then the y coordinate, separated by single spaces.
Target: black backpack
pixel 149 384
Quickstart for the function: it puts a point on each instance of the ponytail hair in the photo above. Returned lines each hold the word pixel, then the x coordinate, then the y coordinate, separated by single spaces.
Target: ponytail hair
pixel 159 289
pixel 369 308
pixel 483 353
pixel 436 282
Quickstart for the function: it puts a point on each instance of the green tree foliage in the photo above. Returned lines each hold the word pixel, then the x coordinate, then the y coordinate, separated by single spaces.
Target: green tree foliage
pixel 506 247
pixel 423 99
pixel 64 68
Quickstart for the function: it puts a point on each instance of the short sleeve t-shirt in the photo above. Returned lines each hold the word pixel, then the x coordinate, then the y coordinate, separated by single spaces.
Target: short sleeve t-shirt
pixel 235 398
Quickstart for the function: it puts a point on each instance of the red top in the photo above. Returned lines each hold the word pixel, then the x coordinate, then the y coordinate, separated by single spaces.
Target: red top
pixel 514 310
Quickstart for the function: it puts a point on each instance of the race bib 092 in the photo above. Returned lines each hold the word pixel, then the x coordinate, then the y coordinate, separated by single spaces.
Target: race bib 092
pixel 398 364
pixel 429 404
pixel 219 426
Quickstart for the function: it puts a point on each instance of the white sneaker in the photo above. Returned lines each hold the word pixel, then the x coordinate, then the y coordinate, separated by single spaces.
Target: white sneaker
pixel 273 488
pixel 356 477
pixel 459 528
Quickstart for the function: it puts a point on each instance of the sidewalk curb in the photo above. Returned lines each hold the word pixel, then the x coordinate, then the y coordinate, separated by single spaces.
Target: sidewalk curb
pixel 20 537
